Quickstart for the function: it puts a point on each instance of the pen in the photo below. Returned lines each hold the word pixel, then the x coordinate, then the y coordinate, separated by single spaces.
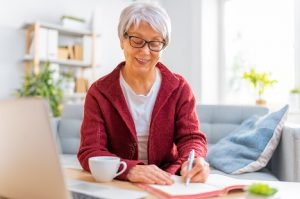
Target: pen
pixel 190 165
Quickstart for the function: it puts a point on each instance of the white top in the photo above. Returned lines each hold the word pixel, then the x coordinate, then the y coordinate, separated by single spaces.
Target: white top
pixel 140 107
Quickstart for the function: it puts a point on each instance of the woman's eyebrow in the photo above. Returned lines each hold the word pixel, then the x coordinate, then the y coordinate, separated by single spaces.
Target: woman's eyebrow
pixel 136 34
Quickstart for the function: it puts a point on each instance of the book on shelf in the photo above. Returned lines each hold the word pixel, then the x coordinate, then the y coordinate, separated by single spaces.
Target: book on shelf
pixel 216 185
pixel 78 52
pixel 71 52
pixel 52 43
pixel 47 44
pixel 63 53
pixel 82 85
pixel 41 45
pixel 87 49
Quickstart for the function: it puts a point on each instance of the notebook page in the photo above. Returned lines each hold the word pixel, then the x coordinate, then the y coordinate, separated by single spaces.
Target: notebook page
pixel 222 181
pixel 215 182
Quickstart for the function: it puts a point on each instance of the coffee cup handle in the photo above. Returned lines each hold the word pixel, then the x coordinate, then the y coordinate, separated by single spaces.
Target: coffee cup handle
pixel 124 168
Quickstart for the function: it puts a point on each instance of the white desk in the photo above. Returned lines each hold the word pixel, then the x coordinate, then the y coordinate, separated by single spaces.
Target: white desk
pixel 287 190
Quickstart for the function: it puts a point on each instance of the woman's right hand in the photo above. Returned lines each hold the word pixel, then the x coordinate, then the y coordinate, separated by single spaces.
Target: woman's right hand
pixel 150 174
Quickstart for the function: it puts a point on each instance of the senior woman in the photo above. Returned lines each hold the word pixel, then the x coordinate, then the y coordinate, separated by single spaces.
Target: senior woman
pixel 141 111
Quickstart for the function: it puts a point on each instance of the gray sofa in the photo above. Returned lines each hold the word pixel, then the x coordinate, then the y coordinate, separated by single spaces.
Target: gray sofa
pixel 216 121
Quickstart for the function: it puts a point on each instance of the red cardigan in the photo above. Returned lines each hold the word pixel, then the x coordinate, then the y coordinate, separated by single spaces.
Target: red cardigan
pixel 108 128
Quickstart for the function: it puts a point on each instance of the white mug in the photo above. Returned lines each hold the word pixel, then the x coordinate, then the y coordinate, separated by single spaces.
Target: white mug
pixel 105 168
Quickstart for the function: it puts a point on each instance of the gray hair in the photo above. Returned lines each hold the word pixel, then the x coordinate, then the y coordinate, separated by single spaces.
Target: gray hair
pixel 151 13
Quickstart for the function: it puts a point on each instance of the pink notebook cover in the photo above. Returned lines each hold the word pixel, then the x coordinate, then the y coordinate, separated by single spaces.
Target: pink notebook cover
pixel 215 186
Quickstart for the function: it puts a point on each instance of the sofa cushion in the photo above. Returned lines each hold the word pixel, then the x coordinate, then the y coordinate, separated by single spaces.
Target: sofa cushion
pixel 68 131
pixel 69 135
pixel 250 146
pixel 263 174
pixel 217 121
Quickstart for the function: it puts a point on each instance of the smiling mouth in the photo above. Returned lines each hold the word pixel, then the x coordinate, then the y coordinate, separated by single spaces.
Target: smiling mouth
pixel 142 61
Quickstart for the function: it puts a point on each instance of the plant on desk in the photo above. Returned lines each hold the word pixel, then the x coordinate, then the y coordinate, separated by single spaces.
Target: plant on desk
pixel 43 85
pixel 259 81
pixel 261 191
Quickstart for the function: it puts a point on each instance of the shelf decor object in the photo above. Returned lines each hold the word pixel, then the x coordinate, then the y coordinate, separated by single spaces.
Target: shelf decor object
pixel 45 44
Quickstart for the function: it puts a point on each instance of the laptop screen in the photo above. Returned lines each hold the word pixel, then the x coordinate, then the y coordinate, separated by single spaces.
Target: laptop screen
pixel 29 161
pixel 30 166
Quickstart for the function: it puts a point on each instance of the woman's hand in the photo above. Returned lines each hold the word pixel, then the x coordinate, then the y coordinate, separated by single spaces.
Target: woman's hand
pixel 198 173
pixel 150 174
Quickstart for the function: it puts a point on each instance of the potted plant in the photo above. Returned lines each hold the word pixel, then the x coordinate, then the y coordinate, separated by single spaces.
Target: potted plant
pixel 261 191
pixel 43 85
pixel 259 81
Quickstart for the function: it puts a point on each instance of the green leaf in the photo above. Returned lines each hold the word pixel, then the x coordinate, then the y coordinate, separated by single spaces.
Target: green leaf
pixel 42 84
pixel 259 81
pixel 261 189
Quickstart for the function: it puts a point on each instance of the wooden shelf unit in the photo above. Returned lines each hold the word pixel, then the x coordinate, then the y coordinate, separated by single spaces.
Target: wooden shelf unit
pixel 33 30
pixel 32 57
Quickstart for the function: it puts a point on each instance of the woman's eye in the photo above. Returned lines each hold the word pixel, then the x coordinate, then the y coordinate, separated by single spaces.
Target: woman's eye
pixel 155 43
pixel 138 41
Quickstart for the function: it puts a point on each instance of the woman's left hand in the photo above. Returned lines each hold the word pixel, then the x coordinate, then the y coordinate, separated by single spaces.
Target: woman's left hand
pixel 198 173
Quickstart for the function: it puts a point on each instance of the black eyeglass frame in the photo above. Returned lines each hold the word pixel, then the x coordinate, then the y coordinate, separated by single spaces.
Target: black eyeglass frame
pixel 144 43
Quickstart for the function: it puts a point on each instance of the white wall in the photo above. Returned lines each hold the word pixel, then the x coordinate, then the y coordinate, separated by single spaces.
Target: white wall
pixel 194 48
pixel 14 13
pixel 210 42
pixel 182 56
pixel 297 43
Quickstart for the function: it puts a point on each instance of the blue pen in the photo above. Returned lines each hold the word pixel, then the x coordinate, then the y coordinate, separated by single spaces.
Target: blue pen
pixel 190 165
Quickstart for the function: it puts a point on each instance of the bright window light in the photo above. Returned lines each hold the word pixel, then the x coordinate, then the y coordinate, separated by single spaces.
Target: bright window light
pixel 258 34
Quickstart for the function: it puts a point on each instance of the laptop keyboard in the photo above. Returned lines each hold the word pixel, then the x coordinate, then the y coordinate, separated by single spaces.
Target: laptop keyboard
pixel 86 190
pixel 78 195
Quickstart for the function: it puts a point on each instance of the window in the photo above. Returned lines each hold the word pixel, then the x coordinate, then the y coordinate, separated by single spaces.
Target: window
pixel 258 34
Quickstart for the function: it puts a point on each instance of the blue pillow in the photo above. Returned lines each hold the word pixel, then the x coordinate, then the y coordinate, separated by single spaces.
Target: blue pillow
pixel 250 146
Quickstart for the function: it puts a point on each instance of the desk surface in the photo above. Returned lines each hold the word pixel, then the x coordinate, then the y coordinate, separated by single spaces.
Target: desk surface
pixel 287 190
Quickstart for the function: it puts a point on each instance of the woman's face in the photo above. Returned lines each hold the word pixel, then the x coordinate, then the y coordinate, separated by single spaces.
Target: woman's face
pixel 141 60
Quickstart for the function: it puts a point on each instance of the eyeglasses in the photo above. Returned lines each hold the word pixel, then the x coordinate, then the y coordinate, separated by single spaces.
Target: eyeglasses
pixel 137 42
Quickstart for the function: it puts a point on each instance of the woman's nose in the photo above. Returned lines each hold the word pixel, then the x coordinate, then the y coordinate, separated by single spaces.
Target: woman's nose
pixel 146 49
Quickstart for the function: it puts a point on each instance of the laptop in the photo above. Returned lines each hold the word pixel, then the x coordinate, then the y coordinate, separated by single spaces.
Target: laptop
pixel 29 157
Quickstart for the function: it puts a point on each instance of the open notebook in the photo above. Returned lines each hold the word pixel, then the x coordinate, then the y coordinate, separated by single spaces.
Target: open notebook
pixel 215 185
